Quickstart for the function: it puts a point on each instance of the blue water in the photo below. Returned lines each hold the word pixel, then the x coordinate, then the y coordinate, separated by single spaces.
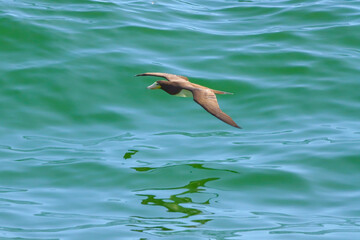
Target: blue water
pixel 87 152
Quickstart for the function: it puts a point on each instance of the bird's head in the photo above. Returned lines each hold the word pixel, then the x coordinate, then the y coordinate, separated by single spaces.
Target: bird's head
pixel 155 85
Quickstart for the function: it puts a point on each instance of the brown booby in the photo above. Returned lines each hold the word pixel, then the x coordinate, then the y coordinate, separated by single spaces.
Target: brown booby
pixel 182 87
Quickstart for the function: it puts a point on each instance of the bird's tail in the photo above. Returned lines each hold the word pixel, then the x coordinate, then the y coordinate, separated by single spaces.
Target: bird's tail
pixel 220 92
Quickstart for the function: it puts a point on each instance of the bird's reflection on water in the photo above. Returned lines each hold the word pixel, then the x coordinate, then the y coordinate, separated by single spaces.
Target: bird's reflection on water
pixel 176 200
pixel 173 202
pixel 130 153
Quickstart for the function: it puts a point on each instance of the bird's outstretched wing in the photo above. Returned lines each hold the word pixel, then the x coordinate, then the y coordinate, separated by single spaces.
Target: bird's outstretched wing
pixel 167 76
pixel 207 99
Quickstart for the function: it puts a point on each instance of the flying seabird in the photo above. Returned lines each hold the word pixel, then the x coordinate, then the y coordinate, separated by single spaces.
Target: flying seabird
pixel 180 86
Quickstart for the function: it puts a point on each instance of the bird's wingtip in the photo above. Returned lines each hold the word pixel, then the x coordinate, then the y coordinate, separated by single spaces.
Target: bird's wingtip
pixel 235 125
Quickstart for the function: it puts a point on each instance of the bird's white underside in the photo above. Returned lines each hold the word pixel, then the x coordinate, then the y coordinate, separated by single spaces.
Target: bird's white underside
pixel 184 93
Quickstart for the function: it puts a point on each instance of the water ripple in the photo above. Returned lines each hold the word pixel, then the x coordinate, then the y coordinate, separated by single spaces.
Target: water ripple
pixel 87 142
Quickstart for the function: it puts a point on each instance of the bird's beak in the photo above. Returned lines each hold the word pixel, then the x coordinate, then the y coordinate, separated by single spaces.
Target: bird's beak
pixel 154 86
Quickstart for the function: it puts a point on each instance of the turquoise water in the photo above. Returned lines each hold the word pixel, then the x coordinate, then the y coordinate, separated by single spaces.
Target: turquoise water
pixel 87 152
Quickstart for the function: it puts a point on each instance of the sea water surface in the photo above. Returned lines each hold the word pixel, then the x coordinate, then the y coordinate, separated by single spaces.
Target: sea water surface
pixel 87 152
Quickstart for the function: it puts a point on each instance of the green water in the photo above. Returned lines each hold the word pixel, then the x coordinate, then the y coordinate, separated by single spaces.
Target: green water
pixel 87 152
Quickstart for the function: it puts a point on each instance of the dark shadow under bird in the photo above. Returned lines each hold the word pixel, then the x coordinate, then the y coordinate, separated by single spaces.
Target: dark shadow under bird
pixel 181 86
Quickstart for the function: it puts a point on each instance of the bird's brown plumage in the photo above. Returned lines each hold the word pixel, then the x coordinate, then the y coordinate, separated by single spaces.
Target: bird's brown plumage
pixel 202 95
pixel 167 76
